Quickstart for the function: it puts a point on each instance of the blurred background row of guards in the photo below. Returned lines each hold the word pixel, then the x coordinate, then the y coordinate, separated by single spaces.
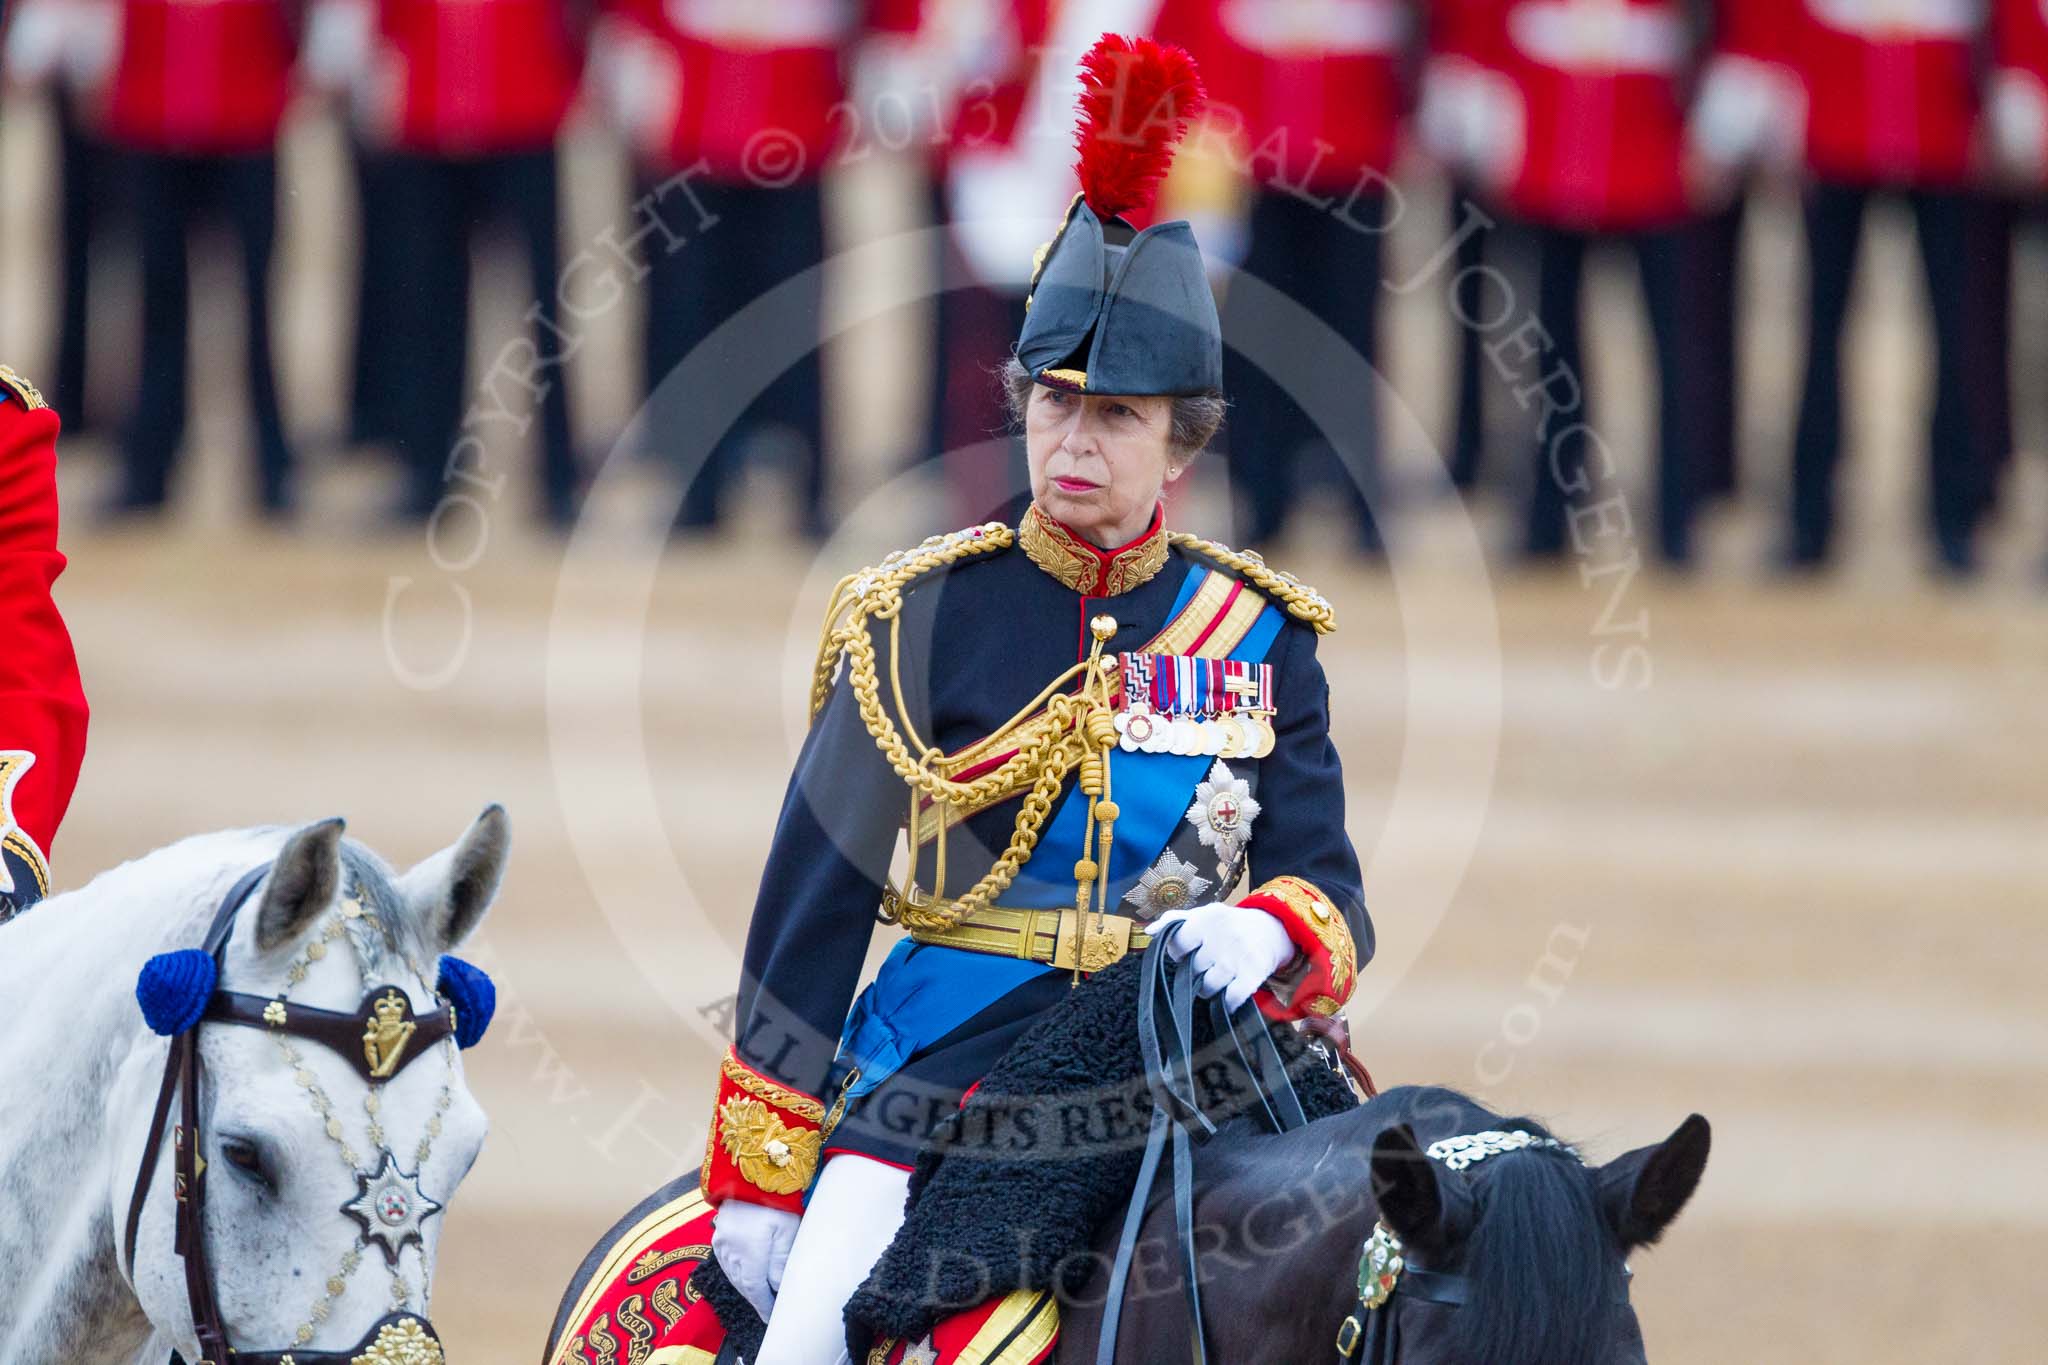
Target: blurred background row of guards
pixel 1558 127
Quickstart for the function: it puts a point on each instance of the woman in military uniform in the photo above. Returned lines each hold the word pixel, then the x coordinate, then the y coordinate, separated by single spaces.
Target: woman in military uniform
pixel 1083 727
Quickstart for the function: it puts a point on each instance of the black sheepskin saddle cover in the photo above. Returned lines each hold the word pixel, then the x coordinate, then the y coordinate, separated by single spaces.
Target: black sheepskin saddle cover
pixel 1009 1192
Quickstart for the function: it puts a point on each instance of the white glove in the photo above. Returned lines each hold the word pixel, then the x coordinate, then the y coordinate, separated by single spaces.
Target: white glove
pixel 1233 948
pixel 752 1242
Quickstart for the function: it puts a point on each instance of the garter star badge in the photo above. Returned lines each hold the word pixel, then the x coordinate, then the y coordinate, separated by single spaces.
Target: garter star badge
pixel 1223 812
pixel 391 1208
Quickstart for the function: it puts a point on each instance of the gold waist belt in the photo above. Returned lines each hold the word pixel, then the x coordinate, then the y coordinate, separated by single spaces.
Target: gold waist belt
pixel 1060 936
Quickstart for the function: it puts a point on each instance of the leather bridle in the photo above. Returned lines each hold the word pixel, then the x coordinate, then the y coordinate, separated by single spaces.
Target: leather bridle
pixel 1385 1278
pixel 1385 1281
pixel 378 1041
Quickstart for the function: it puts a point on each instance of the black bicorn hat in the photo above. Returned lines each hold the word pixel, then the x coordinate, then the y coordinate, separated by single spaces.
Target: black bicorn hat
pixel 1113 309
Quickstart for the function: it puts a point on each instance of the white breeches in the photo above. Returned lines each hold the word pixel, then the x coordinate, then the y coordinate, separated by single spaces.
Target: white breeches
pixel 855 1210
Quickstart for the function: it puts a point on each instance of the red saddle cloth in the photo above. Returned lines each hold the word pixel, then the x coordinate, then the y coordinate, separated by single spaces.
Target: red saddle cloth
pixel 637 1307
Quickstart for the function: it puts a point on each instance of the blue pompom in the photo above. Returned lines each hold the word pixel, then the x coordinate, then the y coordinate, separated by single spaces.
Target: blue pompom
pixel 475 999
pixel 174 987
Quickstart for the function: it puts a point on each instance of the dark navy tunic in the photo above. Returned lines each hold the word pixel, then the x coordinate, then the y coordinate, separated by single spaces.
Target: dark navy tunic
pixel 979 640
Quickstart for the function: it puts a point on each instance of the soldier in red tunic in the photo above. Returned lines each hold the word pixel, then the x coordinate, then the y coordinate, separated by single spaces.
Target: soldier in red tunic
pixel 733 111
pixel 1743 124
pixel 1591 148
pixel 1453 43
pixel 2016 115
pixel 199 91
pixel 65 47
pixel 42 705
pixel 1892 108
pixel 971 95
pixel 469 98
pixel 1319 92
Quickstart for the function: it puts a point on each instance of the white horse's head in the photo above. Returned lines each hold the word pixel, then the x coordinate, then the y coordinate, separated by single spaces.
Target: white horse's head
pixel 292 1132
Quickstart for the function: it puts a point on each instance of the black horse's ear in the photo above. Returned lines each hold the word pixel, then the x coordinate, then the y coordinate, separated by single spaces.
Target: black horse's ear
pixel 301 884
pixel 1406 1188
pixel 1642 1191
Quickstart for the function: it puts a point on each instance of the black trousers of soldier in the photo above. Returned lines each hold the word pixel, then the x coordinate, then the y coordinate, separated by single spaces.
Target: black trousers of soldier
pixel 985 468
pixel 83 166
pixel 1331 268
pixel 761 237
pixel 1559 453
pixel 375 384
pixel 172 195
pixel 432 205
pixel 1468 410
pixel 1717 325
pixel 1953 253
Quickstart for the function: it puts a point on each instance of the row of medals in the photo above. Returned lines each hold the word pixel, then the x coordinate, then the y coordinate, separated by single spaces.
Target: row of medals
pixel 1233 734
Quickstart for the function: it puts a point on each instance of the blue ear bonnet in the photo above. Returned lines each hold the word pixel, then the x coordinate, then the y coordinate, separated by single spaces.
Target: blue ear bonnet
pixel 473 997
pixel 174 987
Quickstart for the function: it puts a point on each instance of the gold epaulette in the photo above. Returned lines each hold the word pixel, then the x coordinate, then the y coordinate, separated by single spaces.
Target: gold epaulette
pixel 21 389
pixel 877 593
pixel 1302 602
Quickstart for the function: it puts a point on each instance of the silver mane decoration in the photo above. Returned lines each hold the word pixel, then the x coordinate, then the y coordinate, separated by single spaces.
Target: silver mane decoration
pixel 1459 1152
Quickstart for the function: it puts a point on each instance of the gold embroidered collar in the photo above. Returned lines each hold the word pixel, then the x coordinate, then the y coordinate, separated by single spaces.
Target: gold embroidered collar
pixel 1086 568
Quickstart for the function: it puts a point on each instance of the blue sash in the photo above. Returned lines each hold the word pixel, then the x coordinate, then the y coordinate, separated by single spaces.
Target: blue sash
pixel 925 991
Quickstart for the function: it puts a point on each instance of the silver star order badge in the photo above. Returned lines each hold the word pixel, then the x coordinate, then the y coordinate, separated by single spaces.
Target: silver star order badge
pixel 923 1353
pixel 1169 884
pixel 1223 812
pixel 391 1207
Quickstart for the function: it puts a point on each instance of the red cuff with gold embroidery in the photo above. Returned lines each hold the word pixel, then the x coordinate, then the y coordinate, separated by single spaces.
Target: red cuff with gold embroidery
pixel 1320 979
pixel 764 1140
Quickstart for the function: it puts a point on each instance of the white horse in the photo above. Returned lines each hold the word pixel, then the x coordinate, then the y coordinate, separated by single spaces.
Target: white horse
pixel 280 1117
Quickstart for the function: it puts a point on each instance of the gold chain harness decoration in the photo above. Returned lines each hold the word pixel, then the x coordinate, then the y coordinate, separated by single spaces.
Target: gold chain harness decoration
pixel 354 911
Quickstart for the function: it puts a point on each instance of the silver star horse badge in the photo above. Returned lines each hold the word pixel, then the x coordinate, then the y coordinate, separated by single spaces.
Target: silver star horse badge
pixel 391 1207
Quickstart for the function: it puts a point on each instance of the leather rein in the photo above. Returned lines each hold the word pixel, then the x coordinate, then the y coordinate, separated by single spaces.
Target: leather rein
pixel 350 1035
pixel 1168 1054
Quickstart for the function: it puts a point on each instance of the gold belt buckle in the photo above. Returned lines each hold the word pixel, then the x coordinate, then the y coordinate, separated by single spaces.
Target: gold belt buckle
pixel 1080 946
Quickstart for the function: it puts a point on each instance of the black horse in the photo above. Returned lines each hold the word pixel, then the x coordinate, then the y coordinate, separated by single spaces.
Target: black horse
pixel 1534 1242
pixel 1531 1243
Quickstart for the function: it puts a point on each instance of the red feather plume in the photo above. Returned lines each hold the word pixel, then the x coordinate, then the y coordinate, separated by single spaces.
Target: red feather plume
pixel 1136 98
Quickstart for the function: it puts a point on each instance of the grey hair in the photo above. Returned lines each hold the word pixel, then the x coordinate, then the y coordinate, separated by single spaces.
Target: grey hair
pixel 1194 421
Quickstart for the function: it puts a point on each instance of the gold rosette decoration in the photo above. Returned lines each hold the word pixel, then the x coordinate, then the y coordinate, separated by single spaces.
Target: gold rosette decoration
pixel 401 1343
pixel 770 1154
pixel 765 1139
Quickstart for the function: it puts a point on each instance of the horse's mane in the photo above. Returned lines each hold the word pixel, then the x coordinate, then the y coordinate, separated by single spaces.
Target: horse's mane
pixel 372 876
pixel 1538 1255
